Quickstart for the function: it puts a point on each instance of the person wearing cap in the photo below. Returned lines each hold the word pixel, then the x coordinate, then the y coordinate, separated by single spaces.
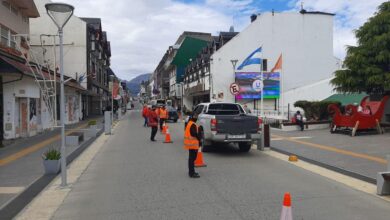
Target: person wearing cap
pixel 191 143
pixel 153 122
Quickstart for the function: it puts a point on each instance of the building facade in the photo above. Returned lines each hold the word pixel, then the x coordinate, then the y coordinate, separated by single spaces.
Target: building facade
pixel 98 63
pixel 86 59
pixel 305 41
pixel 197 77
pixel 27 91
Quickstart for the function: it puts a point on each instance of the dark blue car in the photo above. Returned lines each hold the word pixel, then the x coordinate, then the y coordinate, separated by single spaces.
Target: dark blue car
pixel 172 114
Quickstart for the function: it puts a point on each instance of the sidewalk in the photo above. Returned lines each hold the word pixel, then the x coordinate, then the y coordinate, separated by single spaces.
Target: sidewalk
pixel 21 162
pixel 361 156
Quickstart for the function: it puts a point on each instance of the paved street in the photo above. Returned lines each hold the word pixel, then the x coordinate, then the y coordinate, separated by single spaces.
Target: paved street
pixel 133 178
pixel 363 154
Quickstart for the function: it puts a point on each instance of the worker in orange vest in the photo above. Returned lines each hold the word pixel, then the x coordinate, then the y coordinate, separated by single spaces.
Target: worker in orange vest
pixel 163 115
pixel 191 143
pixel 153 122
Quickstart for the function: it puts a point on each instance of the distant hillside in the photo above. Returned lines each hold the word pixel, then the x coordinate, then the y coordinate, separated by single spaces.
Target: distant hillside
pixel 134 84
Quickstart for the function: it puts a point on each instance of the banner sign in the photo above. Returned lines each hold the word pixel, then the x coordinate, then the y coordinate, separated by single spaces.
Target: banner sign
pixel 250 85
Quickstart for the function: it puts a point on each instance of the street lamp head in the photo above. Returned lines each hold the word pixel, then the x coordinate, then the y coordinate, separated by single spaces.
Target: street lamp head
pixel 60 13
pixel 234 62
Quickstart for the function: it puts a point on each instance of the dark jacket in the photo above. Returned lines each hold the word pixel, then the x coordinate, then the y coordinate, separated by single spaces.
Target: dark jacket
pixel 194 132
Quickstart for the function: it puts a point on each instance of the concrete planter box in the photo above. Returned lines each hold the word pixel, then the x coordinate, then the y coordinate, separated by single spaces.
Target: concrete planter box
pixel 51 166
pixel 91 131
pixel 74 139
pixel 307 125
pixel 93 127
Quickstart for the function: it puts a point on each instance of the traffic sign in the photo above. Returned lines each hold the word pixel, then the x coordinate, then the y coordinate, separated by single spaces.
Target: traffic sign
pixel 234 89
pixel 257 85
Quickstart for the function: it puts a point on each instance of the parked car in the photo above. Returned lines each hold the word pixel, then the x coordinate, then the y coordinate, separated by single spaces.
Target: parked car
pixel 172 113
pixel 227 123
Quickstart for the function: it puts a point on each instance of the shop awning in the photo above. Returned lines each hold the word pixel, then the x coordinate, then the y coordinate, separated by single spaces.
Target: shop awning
pixel 189 49
pixel 24 69
pixel 346 99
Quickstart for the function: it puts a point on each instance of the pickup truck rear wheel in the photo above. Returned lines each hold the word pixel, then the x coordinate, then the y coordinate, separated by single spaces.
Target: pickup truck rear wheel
pixel 244 146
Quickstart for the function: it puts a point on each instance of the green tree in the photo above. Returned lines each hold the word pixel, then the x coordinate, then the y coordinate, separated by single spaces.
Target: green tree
pixel 367 65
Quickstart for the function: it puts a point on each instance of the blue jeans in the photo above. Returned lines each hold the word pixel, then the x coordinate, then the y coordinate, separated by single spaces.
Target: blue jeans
pixel 146 121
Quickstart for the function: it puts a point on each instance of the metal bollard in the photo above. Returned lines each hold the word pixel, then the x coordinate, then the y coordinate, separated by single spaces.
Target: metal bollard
pixel 388 162
pixel 107 122
pixel 260 143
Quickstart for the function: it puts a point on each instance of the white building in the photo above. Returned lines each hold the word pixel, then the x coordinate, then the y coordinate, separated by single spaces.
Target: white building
pixel 305 41
pixel 45 45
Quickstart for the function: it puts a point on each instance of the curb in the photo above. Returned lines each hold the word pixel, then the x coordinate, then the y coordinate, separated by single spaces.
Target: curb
pixel 330 167
pixel 18 203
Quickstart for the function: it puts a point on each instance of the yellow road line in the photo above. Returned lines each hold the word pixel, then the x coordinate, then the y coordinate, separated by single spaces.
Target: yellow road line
pixel 35 147
pixel 335 149
pixel 11 190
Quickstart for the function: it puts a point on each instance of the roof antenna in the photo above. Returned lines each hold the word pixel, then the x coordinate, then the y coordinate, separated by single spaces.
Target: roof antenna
pixel 302 11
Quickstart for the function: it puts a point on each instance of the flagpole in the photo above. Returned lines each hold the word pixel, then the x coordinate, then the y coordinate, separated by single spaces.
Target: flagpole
pixel 262 84
pixel 261 102
pixel 282 86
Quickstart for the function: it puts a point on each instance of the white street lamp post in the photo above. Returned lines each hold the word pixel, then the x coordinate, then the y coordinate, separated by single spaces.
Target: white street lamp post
pixel 112 79
pixel 234 63
pixel 60 13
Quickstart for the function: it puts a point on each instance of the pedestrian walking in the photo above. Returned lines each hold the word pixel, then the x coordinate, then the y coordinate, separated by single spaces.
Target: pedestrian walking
pixel 153 123
pixel 145 112
pixel 163 115
pixel 191 143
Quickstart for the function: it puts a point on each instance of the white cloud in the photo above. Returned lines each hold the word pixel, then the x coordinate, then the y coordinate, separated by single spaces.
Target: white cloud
pixel 141 31
pixel 350 15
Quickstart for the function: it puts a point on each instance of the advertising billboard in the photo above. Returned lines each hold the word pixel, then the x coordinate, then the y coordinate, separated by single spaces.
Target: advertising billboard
pixel 250 85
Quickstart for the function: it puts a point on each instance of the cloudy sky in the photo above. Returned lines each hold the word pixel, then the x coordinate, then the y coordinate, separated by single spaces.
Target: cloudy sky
pixel 140 31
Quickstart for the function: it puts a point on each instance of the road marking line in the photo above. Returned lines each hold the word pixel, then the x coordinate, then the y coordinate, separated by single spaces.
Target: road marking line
pixel 11 190
pixel 35 147
pixel 336 150
pixel 333 175
pixel 304 137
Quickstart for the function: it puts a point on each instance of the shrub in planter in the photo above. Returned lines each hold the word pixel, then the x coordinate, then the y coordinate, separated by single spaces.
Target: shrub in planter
pixel 315 110
pixel 92 122
pixel 51 161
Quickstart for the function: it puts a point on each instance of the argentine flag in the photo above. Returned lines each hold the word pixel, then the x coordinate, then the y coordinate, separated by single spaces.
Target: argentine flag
pixel 253 58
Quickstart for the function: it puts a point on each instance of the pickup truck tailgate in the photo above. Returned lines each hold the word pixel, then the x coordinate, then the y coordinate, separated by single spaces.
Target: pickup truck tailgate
pixel 239 124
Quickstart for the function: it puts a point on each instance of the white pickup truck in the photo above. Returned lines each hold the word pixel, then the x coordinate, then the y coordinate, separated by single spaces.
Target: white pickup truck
pixel 227 123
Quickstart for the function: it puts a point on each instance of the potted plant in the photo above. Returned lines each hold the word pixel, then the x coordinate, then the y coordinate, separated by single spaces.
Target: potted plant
pixel 51 161
pixel 92 124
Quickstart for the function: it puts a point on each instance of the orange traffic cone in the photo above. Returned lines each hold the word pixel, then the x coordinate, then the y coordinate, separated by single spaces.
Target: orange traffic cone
pixel 167 137
pixel 199 159
pixel 286 210
pixel 165 127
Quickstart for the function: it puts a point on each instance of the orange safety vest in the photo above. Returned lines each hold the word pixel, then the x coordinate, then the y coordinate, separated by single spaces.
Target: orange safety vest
pixel 163 114
pixel 190 142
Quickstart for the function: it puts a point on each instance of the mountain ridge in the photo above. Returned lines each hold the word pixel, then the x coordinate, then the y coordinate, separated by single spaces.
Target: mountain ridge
pixel 134 85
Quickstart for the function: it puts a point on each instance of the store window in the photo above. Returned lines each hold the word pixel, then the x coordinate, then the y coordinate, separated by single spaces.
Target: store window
pixel 5 38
